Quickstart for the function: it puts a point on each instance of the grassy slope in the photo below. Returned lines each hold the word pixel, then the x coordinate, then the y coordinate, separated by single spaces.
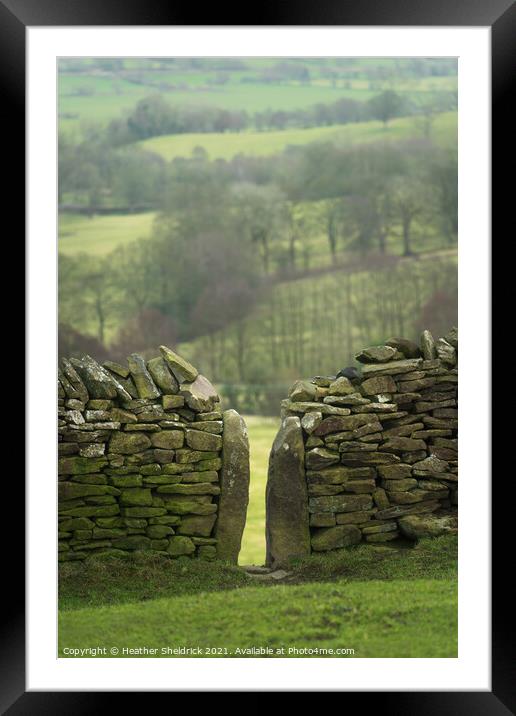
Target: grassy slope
pixel 379 601
pixel 100 235
pixel 226 146
pixel 397 619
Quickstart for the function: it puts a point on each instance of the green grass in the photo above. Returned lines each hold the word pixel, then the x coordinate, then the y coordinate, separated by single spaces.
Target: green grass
pixel 98 97
pixel 261 435
pixel 393 601
pixel 398 619
pixel 226 146
pixel 99 235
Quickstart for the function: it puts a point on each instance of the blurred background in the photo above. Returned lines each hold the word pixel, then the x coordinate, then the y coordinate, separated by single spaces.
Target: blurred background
pixel 265 217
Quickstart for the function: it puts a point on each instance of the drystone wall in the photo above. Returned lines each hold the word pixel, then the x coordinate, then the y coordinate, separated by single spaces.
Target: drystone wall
pixel 367 454
pixel 147 461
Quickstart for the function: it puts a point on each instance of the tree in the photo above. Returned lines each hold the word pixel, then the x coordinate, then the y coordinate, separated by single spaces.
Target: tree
pixel 409 199
pixel 442 172
pixel 260 212
pixel 386 105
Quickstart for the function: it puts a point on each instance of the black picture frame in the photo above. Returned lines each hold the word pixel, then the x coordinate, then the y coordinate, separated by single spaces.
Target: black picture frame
pixel 500 16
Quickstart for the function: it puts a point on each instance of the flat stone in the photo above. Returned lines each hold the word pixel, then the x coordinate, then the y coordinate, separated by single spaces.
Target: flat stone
pixel 336 537
pixel 338 423
pixel 398 471
pixel 370 458
pixel 392 368
pixel 172 402
pixel 355 518
pixel 200 395
pixel 320 457
pixel 200 440
pixel 418 526
pixel 340 503
pixel 136 497
pixel 403 345
pixel 120 370
pixel 376 354
pixel 341 386
pixel 180 367
pixel 196 488
pixel 162 376
pixel 322 519
pixel 302 390
pixel 403 430
pixel 168 439
pixel 431 464
pixel 287 518
pixel 80 465
pixel 351 399
pixel 128 443
pixel 338 475
pixel 72 490
pixel 402 444
pixel 401 510
pixel 199 525
pixel 180 545
pixel 289 406
pixel 192 507
pixel 378 385
pixel 402 485
pixel 92 450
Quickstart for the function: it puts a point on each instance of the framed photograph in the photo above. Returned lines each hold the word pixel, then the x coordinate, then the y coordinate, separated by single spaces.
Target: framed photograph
pixel 249 250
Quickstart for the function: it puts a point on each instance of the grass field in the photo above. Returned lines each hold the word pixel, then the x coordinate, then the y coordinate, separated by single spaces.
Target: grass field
pixel 226 146
pixel 92 96
pixel 261 435
pixel 99 235
pixel 377 601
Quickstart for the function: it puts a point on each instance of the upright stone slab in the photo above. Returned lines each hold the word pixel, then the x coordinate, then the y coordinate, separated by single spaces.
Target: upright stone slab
pixel 234 487
pixel 287 518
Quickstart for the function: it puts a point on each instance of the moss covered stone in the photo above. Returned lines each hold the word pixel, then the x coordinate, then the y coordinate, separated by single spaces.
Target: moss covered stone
pixel 287 523
pixel 132 542
pixel 180 545
pixel 128 443
pixel 142 379
pixel 168 439
pixel 73 465
pixel 197 525
pixel 327 538
pixel 200 440
pixel 162 376
pixel 136 497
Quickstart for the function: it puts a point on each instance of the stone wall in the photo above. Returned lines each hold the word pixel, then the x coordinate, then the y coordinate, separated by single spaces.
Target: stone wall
pixel 368 453
pixel 148 461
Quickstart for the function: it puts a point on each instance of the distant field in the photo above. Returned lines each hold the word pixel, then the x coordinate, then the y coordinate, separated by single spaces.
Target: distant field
pixel 226 146
pixel 100 235
pixel 261 435
pixel 98 97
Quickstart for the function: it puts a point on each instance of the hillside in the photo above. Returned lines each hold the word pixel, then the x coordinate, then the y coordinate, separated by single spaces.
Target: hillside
pixel 226 146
